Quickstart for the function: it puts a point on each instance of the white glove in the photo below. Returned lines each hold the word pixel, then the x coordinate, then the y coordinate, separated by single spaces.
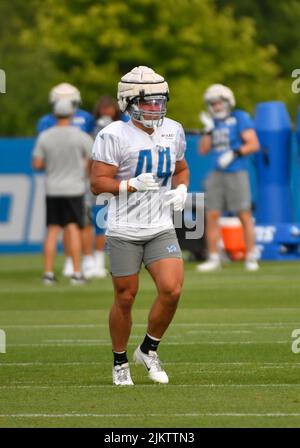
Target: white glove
pixel 227 158
pixel 143 182
pixel 207 121
pixel 177 197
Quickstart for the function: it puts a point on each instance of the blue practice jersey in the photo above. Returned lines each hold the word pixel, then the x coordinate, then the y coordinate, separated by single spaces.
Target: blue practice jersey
pixel 227 136
pixel 125 118
pixel 82 119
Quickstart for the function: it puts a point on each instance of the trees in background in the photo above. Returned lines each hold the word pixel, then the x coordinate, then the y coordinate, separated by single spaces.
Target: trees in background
pixel 29 70
pixel 92 43
pixel 277 23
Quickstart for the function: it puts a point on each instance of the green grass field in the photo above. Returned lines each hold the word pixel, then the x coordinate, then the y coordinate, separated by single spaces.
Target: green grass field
pixel 228 352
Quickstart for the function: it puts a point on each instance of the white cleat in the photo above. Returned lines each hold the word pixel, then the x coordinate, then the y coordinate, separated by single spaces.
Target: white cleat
pixel 88 266
pixel 251 265
pixel 77 279
pixel 68 270
pixel 121 375
pixel 152 364
pixel 209 266
pixel 49 279
pixel 100 273
pixel 89 272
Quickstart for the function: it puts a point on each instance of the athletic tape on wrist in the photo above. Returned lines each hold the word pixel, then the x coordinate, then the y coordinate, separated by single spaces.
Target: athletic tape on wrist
pixel 124 187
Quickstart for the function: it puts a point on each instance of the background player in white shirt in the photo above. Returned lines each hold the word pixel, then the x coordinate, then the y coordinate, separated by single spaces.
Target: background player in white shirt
pixel 139 162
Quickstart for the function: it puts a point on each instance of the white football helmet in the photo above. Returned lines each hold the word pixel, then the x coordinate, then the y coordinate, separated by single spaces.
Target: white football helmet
pixel 219 92
pixel 144 95
pixel 65 91
pixel 63 108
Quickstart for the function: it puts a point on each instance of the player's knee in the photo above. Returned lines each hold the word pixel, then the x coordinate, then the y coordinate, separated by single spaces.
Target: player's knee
pixel 125 299
pixel 171 293
pixel 245 217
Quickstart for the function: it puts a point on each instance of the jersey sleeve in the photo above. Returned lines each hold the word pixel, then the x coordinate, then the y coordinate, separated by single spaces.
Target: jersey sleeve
pixel 180 144
pixel 38 150
pixel 107 149
pixel 244 121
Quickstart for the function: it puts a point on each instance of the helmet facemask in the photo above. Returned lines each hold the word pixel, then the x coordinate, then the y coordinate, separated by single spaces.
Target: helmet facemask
pixel 219 113
pixel 149 110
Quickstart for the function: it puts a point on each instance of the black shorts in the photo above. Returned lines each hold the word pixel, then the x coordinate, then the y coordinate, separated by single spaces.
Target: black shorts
pixel 63 210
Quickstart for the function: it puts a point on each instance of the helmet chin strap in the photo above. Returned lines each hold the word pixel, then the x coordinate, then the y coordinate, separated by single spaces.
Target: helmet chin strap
pixel 150 124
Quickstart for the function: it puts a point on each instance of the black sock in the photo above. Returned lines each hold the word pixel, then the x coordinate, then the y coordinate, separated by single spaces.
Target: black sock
pixel 120 358
pixel 149 344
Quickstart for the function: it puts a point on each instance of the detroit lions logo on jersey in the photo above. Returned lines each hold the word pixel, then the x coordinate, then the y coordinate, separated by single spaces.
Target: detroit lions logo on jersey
pixel 172 248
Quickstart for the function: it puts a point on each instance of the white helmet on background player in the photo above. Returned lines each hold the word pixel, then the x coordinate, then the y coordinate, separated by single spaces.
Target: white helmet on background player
pixel 63 108
pixel 65 91
pixel 219 92
pixel 143 93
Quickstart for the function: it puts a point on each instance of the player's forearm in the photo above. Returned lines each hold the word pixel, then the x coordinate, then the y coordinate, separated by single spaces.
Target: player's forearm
pixel 249 148
pixel 102 184
pixel 205 144
pixel 250 142
pixel 181 178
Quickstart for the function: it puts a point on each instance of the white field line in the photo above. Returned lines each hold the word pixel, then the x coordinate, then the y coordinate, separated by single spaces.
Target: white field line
pixel 105 386
pixel 59 289
pixel 106 287
pixel 190 332
pixel 204 365
pixel 133 336
pixel 166 415
pixel 142 325
pixel 86 343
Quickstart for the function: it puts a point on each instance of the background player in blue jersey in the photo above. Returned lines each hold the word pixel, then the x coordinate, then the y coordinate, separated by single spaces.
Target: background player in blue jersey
pixel 82 119
pixel 229 133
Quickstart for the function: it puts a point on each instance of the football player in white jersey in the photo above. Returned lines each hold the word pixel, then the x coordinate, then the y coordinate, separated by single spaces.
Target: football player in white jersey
pixel 141 163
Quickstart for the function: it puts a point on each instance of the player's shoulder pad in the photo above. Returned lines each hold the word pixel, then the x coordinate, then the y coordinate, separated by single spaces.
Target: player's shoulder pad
pixel 44 118
pixel 45 122
pixel 116 128
pixel 240 113
pixel 84 113
pixel 172 125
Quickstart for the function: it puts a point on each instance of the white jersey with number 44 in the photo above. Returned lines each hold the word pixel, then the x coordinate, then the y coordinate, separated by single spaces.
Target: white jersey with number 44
pixel 133 151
